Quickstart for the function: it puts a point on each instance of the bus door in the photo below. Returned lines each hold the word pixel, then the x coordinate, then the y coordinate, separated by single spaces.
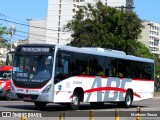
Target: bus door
pixel 62 67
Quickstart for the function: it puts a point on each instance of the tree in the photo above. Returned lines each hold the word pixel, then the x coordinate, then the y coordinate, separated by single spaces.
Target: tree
pixel 3 30
pixel 106 27
pixel 143 51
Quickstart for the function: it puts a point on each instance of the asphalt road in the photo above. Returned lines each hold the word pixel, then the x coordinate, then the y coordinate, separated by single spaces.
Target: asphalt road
pixel 148 108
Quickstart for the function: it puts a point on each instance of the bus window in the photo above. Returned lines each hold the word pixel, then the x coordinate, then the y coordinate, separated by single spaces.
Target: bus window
pixel 113 71
pixel 61 71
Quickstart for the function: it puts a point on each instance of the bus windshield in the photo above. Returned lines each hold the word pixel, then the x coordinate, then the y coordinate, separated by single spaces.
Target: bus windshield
pixel 5 75
pixel 32 71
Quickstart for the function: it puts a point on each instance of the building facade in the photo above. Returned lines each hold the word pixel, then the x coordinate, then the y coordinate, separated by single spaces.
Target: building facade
pixel 60 12
pixel 150 36
pixel 37 31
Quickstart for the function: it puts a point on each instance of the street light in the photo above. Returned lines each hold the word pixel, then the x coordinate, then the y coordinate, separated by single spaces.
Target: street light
pixel 12 30
pixel 28 27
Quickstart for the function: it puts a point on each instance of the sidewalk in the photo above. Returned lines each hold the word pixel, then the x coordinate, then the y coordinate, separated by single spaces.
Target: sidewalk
pixel 156 95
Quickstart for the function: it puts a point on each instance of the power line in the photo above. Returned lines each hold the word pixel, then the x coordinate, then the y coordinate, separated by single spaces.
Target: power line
pixel 38 35
pixel 35 34
pixel 26 25
pixel 12 18
pixel 25 37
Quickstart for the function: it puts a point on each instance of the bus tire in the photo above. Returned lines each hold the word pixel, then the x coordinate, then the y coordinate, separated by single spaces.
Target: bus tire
pixel 128 100
pixel 7 96
pixel 40 105
pixel 74 105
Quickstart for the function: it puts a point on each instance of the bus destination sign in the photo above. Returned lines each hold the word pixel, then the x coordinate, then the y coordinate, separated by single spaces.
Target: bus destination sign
pixel 35 49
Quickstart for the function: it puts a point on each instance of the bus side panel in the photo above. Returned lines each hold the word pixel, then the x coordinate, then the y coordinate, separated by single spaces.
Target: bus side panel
pixel 107 89
pixel 63 91
pixel 102 89
pixel 143 89
pixel 95 89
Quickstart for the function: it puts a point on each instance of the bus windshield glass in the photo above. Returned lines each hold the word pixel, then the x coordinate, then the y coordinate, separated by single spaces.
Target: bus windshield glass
pixel 5 75
pixel 32 71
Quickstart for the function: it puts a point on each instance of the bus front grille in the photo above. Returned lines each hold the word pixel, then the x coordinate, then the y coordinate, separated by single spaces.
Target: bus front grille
pixel 31 96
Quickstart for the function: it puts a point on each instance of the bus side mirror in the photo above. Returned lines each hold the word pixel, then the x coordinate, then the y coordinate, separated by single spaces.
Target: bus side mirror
pixel 60 62
pixel 9 58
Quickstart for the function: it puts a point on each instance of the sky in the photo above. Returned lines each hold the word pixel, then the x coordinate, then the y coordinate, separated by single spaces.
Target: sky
pixel 21 10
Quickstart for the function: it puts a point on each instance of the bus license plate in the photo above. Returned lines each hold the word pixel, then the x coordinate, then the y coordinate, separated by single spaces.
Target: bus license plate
pixel 26 98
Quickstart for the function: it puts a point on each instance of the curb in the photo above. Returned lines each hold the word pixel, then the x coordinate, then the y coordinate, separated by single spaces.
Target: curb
pixel 156 97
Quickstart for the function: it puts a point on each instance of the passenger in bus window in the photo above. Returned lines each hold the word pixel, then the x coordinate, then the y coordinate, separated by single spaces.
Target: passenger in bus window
pixel 34 66
pixel 34 69
pixel 86 70
pixel 93 72
pixel 101 73
pixel 47 65
pixel 120 75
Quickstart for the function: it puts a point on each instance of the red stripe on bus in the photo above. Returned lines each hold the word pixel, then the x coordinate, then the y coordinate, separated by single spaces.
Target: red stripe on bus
pixel 104 88
pixel 88 76
pixel 140 79
pixel 136 79
pixel 108 89
pixel 135 94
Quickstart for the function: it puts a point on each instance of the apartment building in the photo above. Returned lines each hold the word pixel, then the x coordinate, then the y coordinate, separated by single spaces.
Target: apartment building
pixel 37 31
pixel 62 11
pixel 150 36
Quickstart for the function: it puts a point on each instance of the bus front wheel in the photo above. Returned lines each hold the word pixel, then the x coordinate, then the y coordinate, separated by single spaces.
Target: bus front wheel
pixel 74 105
pixel 7 95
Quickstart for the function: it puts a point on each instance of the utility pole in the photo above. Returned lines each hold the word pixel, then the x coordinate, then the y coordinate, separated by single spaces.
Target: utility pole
pixel 12 29
pixel 59 21
pixel 106 2
pixel 28 28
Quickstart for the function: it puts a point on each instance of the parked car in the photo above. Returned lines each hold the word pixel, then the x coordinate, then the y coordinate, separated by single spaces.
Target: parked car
pixel 5 75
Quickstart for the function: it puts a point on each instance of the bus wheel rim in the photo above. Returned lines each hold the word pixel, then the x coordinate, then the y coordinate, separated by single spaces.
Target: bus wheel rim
pixel 128 100
pixel 75 101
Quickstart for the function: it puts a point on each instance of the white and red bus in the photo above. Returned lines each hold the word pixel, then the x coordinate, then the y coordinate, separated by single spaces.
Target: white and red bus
pixel 5 75
pixel 44 73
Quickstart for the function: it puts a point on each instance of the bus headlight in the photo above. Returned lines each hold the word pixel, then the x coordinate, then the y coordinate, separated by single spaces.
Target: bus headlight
pixel 3 84
pixel 0 87
pixel 46 89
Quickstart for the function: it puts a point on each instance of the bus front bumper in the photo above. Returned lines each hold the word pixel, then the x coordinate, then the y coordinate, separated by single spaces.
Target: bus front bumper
pixel 32 97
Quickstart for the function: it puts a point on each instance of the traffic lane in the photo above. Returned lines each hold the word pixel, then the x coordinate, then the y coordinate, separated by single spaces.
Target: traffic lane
pixel 20 105
pixel 151 104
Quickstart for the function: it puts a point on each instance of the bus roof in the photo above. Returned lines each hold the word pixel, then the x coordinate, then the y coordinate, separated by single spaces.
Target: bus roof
pixel 106 52
pixel 95 51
